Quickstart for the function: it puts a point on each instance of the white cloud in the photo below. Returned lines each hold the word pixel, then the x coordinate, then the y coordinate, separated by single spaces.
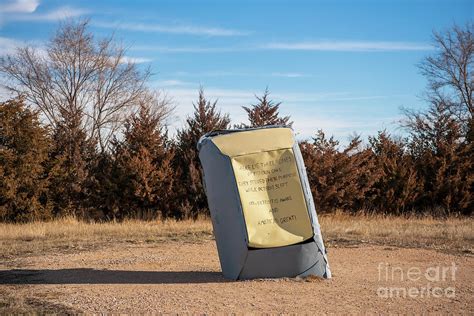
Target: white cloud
pixel 334 46
pixel 19 6
pixel 367 97
pixel 5 94
pixel 173 83
pixel 188 49
pixel 242 74
pixel 349 46
pixel 8 45
pixel 136 60
pixel 306 124
pixel 53 15
pixel 172 29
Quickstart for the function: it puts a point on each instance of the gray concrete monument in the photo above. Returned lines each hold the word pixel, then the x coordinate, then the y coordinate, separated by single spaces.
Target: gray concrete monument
pixel 262 210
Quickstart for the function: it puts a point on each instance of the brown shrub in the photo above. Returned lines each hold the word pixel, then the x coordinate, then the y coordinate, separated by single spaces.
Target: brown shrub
pixel 338 179
pixel 23 153
pixel 206 118
pixel 397 185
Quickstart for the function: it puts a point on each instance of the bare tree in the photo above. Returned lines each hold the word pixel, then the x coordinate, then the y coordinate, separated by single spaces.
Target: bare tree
pixel 441 137
pixel 78 76
pixel 450 89
pixel 450 71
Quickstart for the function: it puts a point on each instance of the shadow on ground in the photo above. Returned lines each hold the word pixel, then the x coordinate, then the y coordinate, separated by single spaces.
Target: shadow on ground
pixel 92 276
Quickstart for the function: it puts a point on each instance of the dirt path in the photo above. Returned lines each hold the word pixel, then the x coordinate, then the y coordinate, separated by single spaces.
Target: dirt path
pixel 184 277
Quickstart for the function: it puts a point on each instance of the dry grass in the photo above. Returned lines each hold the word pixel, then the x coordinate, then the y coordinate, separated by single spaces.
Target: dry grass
pixel 69 234
pixel 70 227
pixel 450 234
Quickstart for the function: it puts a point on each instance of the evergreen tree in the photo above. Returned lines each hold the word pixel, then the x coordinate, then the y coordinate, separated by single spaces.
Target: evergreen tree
pixel 338 179
pixel 265 112
pixel 398 186
pixel 206 118
pixel 23 152
pixel 69 167
pixel 104 192
pixel 443 159
pixel 145 175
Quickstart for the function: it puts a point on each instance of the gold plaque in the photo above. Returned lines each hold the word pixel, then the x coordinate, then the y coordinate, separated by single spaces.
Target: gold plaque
pixel 272 198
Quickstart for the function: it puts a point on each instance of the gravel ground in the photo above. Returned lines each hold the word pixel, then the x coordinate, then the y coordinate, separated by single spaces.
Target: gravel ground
pixel 181 277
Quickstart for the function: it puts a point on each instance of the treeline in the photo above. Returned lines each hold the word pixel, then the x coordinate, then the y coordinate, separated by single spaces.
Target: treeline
pixel 87 137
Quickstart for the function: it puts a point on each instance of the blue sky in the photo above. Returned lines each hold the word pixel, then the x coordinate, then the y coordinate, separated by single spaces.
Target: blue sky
pixel 342 66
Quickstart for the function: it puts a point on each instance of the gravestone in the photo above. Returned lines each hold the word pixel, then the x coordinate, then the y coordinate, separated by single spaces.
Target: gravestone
pixel 262 210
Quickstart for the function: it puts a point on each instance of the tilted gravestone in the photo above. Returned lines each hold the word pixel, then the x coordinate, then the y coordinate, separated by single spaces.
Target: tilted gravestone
pixel 262 210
